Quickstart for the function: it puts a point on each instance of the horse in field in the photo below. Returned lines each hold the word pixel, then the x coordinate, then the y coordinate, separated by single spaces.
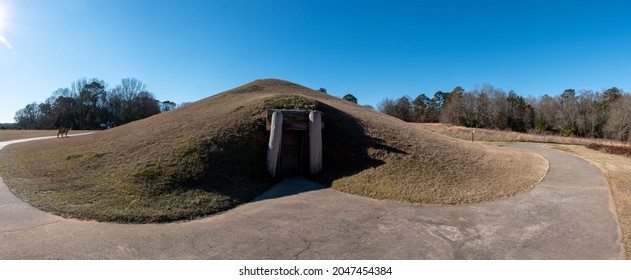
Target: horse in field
pixel 63 131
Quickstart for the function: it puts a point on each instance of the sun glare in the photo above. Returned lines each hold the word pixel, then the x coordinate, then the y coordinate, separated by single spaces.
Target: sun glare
pixel 3 27
pixel 3 17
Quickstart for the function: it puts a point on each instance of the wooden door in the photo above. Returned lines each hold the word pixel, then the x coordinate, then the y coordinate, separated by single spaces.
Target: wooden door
pixel 290 153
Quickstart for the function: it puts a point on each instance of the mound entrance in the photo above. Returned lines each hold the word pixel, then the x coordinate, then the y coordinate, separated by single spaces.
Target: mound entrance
pixel 295 142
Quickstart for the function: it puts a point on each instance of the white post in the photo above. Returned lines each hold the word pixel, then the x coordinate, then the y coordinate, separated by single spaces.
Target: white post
pixel 315 142
pixel 275 140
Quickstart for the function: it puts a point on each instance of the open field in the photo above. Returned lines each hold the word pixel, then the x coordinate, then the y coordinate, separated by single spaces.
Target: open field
pixel 209 156
pixel 490 135
pixel 7 135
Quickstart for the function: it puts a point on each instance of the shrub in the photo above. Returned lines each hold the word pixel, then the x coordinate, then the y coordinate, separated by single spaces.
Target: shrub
pixel 566 130
pixel 541 126
pixel 616 150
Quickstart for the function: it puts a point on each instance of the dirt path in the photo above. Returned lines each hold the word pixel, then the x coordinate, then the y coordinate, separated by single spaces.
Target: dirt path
pixel 567 216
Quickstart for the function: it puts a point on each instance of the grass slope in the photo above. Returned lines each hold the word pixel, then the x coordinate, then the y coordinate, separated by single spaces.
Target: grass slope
pixel 209 156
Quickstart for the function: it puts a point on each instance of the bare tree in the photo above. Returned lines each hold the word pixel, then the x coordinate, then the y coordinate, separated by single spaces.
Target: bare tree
pixel 28 117
pixel 388 106
pixel 452 105
pixel 588 114
pixel 470 114
pixel 130 88
pixel 605 101
pixel 400 108
pixel 483 106
pixel 546 110
pixel 569 109
pixel 618 125
pixel 499 108
pixel 125 93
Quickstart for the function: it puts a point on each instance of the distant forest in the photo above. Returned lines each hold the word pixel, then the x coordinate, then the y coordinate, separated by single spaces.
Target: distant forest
pixel 89 105
pixel 586 113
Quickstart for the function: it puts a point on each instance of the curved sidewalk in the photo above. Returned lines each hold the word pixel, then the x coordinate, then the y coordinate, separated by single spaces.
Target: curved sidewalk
pixel 567 216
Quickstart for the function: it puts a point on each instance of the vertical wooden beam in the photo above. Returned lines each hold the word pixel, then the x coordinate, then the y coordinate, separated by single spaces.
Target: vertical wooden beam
pixel 275 141
pixel 315 142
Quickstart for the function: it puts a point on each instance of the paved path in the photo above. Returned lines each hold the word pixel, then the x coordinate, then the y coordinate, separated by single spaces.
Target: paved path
pixel 568 216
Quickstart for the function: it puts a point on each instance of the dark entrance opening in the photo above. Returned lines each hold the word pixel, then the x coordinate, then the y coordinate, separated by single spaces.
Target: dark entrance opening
pixel 295 143
pixel 293 153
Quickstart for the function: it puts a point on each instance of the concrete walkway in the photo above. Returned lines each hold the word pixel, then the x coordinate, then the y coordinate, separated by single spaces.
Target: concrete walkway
pixel 568 216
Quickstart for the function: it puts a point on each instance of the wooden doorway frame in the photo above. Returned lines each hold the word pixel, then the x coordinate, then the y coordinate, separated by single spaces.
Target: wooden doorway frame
pixel 307 127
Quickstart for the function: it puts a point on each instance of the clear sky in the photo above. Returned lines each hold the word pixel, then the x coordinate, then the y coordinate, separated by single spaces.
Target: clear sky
pixel 187 50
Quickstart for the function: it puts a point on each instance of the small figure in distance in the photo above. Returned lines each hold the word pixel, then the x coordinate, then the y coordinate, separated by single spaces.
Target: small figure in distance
pixel 63 131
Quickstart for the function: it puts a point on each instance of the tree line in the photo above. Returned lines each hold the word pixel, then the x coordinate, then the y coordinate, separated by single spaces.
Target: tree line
pixel 88 104
pixel 586 113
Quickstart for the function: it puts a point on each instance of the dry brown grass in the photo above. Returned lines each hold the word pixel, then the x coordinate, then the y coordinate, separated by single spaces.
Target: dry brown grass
pixel 152 170
pixel 7 135
pixel 209 156
pixel 421 166
pixel 490 135
pixel 617 169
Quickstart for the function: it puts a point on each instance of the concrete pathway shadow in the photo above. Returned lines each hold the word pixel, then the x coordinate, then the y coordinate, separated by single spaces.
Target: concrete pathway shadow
pixel 290 186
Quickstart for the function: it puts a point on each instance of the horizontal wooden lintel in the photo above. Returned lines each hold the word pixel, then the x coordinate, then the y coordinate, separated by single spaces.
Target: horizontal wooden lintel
pixel 292 119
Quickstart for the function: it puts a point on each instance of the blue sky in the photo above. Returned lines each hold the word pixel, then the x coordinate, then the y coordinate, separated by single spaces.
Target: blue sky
pixel 187 50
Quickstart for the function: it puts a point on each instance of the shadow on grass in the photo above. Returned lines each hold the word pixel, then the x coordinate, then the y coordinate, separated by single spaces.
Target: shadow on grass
pixel 345 147
pixel 345 153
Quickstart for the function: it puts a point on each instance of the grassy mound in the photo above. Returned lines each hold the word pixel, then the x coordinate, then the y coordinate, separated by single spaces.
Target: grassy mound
pixel 209 156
